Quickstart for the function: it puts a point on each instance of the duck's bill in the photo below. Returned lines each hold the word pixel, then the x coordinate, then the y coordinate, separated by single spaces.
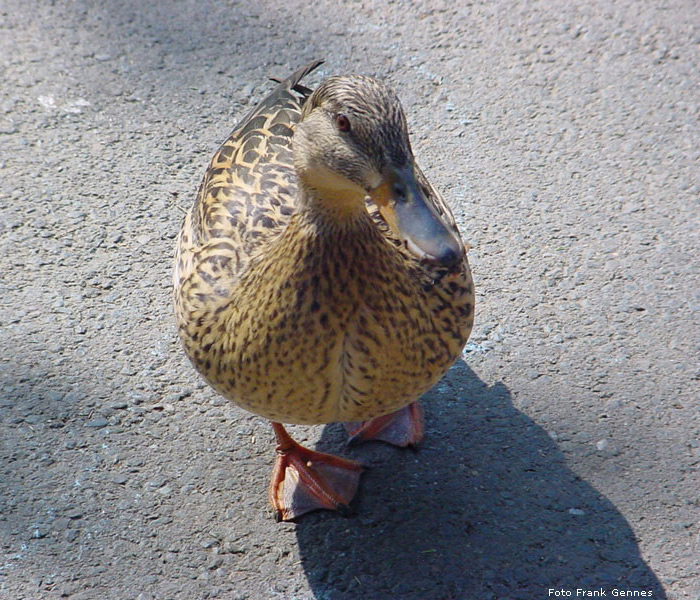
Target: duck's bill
pixel 413 218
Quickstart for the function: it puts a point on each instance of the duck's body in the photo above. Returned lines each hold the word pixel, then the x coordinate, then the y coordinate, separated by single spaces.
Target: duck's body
pixel 293 297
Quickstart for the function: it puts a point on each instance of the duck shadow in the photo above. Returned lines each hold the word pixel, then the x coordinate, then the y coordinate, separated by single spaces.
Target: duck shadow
pixel 486 509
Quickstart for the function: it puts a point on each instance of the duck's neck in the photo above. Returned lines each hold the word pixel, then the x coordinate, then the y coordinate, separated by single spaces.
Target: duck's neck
pixel 332 208
pixel 325 257
pixel 330 236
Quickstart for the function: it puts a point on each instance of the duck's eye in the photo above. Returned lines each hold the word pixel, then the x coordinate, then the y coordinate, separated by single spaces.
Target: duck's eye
pixel 342 122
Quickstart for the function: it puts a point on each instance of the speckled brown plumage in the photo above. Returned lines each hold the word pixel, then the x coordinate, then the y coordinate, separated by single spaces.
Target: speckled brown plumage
pixel 298 315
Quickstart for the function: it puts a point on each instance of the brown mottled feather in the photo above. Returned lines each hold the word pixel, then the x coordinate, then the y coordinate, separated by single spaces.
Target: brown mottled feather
pixel 299 323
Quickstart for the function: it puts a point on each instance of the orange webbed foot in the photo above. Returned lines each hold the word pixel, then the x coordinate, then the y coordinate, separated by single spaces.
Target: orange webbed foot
pixel 304 480
pixel 401 428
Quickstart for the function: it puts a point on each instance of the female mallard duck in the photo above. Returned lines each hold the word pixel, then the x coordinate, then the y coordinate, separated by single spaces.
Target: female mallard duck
pixel 319 277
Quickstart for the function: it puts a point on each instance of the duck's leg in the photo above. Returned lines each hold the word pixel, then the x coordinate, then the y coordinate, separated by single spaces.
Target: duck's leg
pixel 401 428
pixel 304 480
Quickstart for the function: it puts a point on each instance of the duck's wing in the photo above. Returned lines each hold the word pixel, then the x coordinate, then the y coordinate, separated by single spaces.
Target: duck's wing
pixel 249 190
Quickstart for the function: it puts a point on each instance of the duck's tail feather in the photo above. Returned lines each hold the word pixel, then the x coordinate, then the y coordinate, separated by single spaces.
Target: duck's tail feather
pixel 292 82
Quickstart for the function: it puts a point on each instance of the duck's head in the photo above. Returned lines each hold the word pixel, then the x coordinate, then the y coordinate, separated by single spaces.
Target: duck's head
pixel 352 142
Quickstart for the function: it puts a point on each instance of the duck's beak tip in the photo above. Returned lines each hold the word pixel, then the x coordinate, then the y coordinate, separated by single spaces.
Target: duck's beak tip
pixel 413 218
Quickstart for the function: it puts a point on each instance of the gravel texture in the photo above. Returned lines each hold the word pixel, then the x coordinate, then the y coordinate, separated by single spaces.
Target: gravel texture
pixel 563 452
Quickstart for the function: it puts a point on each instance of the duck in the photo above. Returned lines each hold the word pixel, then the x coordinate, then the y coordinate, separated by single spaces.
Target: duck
pixel 320 278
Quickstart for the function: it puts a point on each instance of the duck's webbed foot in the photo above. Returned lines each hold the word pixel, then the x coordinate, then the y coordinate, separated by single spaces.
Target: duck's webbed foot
pixel 401 428
pixel 304 480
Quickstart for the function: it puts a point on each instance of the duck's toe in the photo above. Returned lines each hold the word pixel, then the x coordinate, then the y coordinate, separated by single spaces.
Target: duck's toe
pixel 401 428
pixel 304 480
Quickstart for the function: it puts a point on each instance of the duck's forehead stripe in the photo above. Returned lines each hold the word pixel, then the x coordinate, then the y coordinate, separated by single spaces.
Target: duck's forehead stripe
pixel 381 116
pixel 362 94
